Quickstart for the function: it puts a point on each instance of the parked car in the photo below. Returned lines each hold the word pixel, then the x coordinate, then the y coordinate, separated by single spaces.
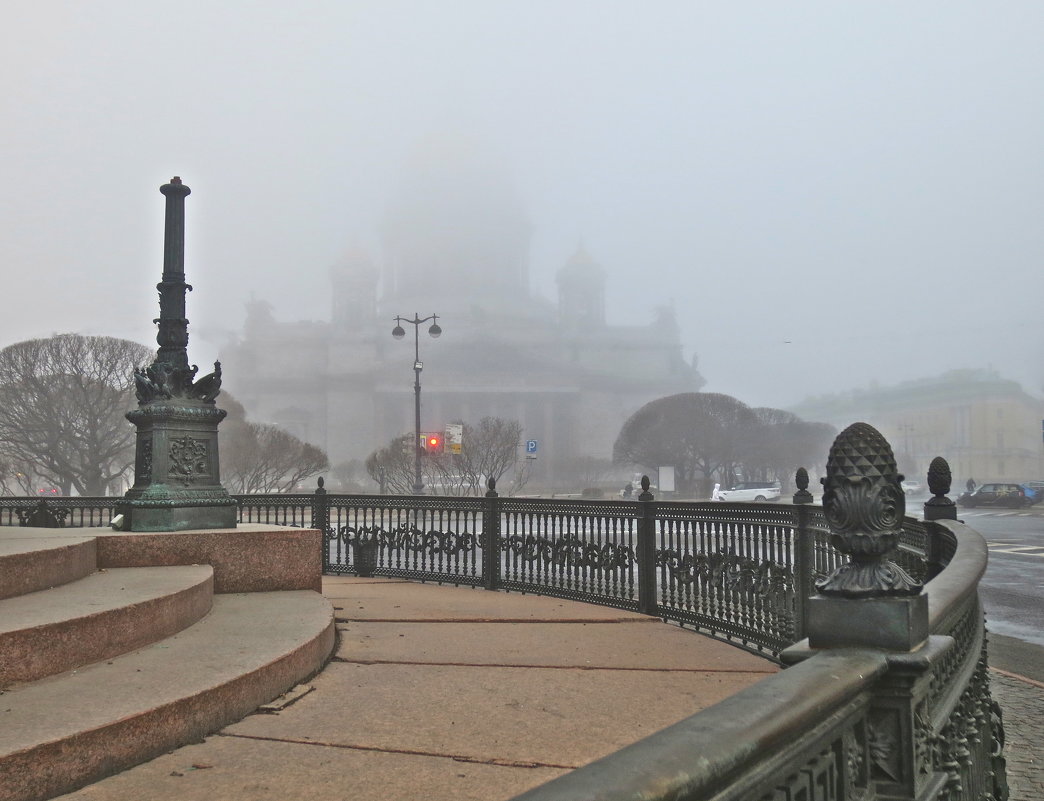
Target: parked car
pixel 752 491
pixel 911 487
pixel 1034 491
pixel 1010 495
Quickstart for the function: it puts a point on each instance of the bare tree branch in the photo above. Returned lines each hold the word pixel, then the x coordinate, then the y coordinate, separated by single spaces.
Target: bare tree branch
pixel 262 458
pixel 489 450
pixel 62 406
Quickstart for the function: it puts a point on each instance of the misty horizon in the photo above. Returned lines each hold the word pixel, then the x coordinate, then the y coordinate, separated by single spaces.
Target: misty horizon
pixel 828 197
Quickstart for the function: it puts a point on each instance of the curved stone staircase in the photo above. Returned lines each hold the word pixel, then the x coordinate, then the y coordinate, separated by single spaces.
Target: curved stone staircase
pixel 114 648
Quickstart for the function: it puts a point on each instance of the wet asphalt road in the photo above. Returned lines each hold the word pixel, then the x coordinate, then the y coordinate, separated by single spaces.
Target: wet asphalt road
pixel 1013 587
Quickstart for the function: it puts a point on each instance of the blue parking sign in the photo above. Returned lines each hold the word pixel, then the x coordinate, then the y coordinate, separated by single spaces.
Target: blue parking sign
pixel 531 446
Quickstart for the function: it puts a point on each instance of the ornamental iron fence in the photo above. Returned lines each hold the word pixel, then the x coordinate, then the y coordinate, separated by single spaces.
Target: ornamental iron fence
pixel 739 571
pixel 854 717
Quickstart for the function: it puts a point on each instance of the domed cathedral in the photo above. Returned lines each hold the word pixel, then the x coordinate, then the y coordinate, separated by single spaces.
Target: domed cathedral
pixel 353 285
pixel 456 230
pixel 581 292
pixel 455 242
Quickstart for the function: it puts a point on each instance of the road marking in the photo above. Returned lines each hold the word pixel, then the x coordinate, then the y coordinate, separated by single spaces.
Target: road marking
pixel 1016 550
pixel 1024 548
pixel 998 514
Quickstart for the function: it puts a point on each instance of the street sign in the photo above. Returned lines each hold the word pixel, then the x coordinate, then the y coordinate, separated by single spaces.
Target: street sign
pixel 531 448
pixel 666 476
pixel 455 437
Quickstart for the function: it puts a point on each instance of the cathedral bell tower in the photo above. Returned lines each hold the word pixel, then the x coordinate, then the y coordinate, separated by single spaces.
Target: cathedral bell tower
pixel 581 292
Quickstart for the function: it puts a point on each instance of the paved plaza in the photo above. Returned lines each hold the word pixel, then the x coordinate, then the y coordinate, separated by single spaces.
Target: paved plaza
pixel 457 693
pixel 452 693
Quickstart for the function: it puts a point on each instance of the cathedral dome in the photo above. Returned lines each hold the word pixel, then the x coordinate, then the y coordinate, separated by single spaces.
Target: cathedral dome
pixel 456 232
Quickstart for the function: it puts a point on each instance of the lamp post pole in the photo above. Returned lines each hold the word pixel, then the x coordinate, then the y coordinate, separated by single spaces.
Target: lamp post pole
pixel 399 332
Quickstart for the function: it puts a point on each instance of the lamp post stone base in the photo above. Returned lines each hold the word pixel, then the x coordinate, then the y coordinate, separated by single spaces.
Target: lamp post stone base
pixel 171 515
pixel 177 485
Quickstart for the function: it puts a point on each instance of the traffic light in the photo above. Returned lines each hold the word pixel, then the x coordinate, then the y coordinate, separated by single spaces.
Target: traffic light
pixel 432 442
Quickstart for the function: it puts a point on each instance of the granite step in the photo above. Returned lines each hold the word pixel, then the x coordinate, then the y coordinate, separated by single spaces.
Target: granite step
pixel 30 563
pixel 98 617
pixel 62 732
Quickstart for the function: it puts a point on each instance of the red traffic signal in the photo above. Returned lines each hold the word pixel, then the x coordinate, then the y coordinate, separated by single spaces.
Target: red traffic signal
pixel 431 442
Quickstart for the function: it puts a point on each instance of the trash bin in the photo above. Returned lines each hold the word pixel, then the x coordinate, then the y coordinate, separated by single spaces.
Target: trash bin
pixel 364 557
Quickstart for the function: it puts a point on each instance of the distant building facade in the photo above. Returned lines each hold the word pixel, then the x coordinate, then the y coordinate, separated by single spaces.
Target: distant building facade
pixel 456 244
pixel 987 428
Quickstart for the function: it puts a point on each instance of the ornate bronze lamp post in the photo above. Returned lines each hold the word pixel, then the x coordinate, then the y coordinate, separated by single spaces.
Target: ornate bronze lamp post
pixel 399 332
pixel 177 481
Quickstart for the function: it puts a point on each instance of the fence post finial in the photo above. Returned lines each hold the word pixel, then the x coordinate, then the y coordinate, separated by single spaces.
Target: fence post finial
pixel 939 507
pixel 646 495
pixel 801 480
pixel 864 505
pixel 869 601
pixel 490 537
pixel 646 553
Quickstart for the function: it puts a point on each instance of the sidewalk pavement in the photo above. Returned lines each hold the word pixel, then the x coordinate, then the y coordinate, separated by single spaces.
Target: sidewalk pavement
pixel 1017 684
pixel 445 692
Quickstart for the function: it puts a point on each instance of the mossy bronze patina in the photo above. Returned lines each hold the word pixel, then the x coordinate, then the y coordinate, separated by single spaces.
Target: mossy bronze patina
pixel 177 478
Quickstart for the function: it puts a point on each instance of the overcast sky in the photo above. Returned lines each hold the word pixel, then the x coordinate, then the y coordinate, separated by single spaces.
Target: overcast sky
pixel 829 193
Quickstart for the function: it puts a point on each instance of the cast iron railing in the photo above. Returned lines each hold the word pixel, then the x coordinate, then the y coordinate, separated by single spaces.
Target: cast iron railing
pixel 850 725
pixel 739 571
pixel 840 725
pixel 732 570
pixel 69 512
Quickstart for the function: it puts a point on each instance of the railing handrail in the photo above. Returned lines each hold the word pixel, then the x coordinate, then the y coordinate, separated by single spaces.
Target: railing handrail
pixel 725 751
pixel 736 749
pixel 744 729
pixel 950 591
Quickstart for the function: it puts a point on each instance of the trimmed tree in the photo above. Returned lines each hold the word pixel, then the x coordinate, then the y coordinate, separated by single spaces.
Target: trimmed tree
pixel 701 434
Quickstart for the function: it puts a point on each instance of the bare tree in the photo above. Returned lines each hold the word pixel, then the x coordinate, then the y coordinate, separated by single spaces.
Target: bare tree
pixel 264 458
pixel 392 467
pixel 16 478
pixel 521 476
pixel 349 476
pixel 785 442
pixel 489 450
pixel 62 406
pixel 589 471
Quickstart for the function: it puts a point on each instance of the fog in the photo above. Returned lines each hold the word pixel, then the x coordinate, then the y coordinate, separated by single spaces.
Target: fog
pixel 830 194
